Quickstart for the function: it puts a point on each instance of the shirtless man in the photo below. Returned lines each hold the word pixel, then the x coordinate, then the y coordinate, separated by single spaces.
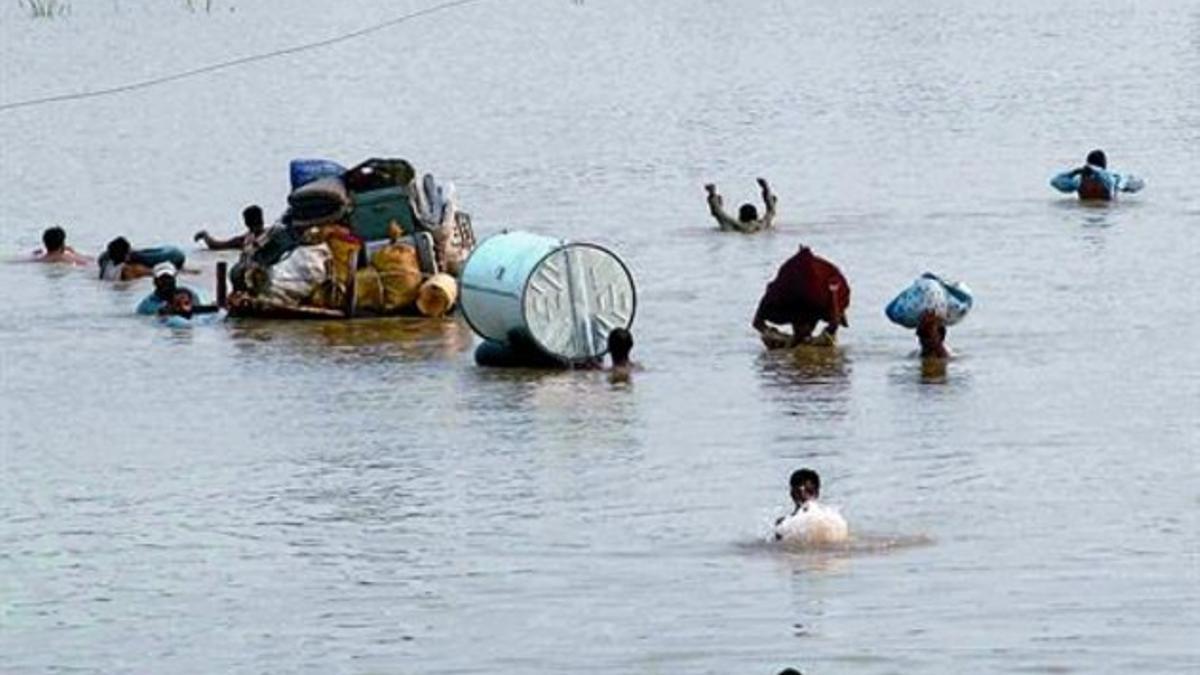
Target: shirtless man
pixel 747 220
pixel 55 249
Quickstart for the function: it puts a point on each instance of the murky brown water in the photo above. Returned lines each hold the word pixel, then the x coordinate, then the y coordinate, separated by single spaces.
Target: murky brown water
pixel 255 497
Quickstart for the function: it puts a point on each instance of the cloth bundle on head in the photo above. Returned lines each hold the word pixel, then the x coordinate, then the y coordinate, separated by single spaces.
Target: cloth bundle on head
pixel 949 301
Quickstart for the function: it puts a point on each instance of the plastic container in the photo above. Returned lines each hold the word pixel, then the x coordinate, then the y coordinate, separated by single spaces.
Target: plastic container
pixel 562 297
pixel 304 171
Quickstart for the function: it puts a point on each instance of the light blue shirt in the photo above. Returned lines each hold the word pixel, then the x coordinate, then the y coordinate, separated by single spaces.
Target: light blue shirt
pixel 150 304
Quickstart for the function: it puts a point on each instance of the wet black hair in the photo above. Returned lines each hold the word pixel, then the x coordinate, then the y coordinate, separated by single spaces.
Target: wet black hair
pixel 118 250
pixel 620 343
pixel 806 476
pixel 54 239
pixel 747 213
pixel 790 671
pixel 252 216
pixel 1097 158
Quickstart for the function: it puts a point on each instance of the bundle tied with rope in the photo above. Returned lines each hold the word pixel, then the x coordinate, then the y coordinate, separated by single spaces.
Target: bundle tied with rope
pixel 392 281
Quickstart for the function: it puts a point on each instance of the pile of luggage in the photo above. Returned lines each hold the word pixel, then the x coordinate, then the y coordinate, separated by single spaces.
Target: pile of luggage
pixel 372 240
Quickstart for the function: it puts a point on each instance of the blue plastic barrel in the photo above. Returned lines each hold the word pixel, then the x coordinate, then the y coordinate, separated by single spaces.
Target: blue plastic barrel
pixel 565 297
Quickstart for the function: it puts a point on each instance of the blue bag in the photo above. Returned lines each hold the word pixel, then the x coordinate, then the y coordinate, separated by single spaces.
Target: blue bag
pixel 950 301
pixel 305 171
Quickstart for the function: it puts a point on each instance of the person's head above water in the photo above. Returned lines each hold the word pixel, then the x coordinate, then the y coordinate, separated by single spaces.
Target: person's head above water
pixel 252 217
pixel 1097 158
pixel 118 250
pixel 748 213
pixel 54 239
pixel 806 485
pixel 164 281
pixel 620 343
pixel 181 302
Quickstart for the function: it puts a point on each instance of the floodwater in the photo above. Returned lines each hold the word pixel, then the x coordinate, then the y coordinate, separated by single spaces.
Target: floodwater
pixel 359 498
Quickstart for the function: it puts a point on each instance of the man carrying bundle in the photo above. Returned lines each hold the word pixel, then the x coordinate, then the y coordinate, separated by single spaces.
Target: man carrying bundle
pixel 807 289
pixel 1093 180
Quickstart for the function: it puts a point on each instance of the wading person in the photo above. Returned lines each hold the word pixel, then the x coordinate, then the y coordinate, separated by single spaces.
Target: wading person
pixel 807 289
pixel 811 522
pixel 931 335
pixel 1093 180
pixel 620 343
pixel 747 220
pixel 165 289
pixel 252 218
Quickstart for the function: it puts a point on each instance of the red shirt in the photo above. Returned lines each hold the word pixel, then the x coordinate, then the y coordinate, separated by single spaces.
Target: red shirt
pixel 801 292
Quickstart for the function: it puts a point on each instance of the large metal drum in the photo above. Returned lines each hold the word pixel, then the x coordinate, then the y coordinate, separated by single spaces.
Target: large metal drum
pixel 563 296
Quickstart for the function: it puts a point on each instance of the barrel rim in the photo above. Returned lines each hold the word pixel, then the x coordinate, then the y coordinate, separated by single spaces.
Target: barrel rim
pixel 580 244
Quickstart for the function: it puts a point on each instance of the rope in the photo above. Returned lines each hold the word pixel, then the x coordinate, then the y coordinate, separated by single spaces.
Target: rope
pixel 225 65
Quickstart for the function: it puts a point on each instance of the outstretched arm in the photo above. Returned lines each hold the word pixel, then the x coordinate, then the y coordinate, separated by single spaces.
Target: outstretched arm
pixel 716 208
pixel 769 200
pixel 220 244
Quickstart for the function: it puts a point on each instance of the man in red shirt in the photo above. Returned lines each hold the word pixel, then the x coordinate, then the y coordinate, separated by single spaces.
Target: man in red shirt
pixel 807 289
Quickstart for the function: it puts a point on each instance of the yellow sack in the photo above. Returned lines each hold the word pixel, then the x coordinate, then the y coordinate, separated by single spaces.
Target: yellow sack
pixel 399 274
pixel 437 295
pixel 344 249
pixel 368 291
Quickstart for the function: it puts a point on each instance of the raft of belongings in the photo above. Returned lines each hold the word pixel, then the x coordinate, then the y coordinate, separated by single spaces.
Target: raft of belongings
pixel 372 240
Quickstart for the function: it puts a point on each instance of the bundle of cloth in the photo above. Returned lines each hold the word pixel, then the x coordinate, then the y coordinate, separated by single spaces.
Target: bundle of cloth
pixel 949 301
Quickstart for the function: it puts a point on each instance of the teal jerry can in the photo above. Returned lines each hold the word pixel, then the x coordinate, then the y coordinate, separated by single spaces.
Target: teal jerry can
pixel 375 210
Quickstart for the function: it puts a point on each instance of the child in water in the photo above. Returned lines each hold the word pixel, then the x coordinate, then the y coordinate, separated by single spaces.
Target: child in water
pixel 811 522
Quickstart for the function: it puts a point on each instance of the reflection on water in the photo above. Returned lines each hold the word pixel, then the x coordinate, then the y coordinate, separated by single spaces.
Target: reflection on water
pixel 407 338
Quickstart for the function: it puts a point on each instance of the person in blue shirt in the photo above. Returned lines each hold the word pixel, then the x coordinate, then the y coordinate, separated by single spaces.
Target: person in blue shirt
pixel 1093 181
pixel 165 288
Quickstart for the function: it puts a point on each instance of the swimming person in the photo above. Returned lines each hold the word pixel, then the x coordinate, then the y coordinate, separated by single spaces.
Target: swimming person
pixel 55 249
pixel 121 262
pixel 252 218
pixel 807 289
pixel 165 288
pixel 1093 180
pixel 115 264
pixel 747 220
pixel 811 522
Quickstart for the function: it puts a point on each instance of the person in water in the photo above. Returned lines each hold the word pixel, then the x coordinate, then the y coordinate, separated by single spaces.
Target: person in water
pixel 1093 180
pixel 165 289
pixel 121 262
pixel 748 220
pixel 252 218
pixel 620 343
pixel 810 522
pixel 115 264
pixel 55 249
pixel 931 335
pixel 807 289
